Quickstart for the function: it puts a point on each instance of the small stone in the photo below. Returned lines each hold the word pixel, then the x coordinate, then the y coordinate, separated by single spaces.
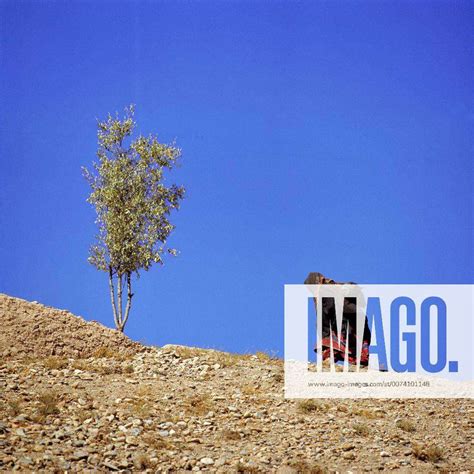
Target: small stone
pixel 110 466
pixel 135 431
pixel 80 454
pixel 347 446
pixel 384 454
pixel 207 461
pixel 123 463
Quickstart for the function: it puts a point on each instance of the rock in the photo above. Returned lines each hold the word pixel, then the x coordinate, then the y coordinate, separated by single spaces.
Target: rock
pixel 347 446
pixel 207 461
pixel 123 463
pixel 59 434
pixel 26 461
pixel 80 454
pixel 287 470
pixel 20 419
pixel 135 431
pixel 110 465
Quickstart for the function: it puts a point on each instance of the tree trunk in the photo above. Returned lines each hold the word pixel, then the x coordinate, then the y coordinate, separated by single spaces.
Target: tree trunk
pixel 120 318
pixel 119 301
pixel 129 300
pixel 112 297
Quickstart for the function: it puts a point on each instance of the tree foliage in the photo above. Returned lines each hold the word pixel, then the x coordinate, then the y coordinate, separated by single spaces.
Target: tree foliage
pixel 132 203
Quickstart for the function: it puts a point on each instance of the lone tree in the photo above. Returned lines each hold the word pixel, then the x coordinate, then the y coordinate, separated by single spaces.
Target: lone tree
pixel 132 204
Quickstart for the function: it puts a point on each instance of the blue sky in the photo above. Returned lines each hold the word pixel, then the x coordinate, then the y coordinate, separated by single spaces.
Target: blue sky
pixel 316 136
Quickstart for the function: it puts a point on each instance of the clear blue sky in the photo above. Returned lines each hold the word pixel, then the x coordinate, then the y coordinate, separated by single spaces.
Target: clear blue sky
pixel 332 137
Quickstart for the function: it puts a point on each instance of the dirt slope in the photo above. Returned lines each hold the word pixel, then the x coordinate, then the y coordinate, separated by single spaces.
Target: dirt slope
pixel 31 329
pixel 129 408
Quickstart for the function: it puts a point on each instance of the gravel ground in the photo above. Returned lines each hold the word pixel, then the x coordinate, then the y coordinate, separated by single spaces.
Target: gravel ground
pixel 119 406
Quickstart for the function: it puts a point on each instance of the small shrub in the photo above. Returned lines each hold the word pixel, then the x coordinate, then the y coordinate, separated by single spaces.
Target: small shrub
pixel 14 406
pixel 266 356
pixel 262 356
pixel 141 462
pixel 55 363
pixel 249 390
pixel 108 370
pixel 157 442
pixel 30 360
pixel 361 429
pixel 198 405
pixel 83 365
pixel 225 359
pixel 406 425
pixel 48 404
pixel 128 369
pixel 144 391
pixel 84 415
pixel 302 467
pixel 105 352
pixel 246 469
pixel 366 413
pixel 185 352
pixel 310 406
pixel 231 435
pixel 141 408
pixel 429 453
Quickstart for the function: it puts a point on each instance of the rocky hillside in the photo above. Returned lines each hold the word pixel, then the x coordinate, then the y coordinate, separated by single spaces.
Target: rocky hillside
pixel 77 396
pixel 37 330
